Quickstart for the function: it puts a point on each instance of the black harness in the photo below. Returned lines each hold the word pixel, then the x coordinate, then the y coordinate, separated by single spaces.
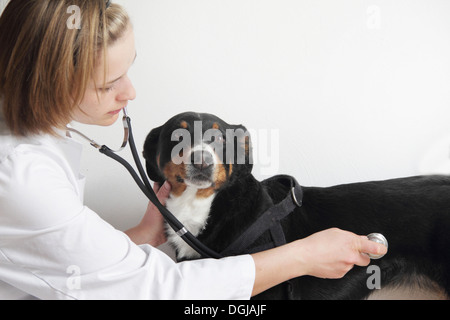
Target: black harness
pixel 270 221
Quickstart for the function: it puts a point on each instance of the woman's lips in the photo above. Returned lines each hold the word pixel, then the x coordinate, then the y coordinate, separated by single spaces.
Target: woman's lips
pixel 113 113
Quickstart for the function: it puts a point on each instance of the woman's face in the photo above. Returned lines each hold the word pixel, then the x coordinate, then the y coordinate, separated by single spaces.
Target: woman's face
pixel 102 105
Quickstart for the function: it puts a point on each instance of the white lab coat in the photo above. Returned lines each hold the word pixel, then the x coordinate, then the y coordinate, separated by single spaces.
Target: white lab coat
pixel 54 247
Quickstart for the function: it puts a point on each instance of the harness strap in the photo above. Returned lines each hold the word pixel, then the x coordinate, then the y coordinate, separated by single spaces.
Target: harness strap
pixel 270 220
pixel 277 234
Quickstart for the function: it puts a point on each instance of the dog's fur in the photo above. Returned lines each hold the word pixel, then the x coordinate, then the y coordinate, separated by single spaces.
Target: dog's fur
pixel 218 201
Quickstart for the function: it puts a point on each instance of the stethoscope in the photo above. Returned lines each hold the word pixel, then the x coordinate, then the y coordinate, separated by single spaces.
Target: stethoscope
pixel 144 184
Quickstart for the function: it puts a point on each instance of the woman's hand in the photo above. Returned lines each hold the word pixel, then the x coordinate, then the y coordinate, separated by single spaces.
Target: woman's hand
pixel 151 229
pixel 329 254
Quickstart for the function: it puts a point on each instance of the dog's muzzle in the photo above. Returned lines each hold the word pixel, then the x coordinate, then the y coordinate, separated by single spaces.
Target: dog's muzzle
pixel 202 160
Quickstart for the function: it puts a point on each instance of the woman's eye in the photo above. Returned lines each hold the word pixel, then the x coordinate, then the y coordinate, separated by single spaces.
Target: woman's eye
pixel 106 89
pixel 109 89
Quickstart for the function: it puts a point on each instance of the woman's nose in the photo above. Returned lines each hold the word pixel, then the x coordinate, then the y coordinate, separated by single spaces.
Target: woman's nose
pixel 128 92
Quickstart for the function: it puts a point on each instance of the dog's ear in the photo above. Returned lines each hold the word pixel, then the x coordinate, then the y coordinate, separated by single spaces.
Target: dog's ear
pixel 151 154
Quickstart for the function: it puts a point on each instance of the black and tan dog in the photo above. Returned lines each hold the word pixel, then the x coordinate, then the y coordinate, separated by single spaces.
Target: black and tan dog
pixel 214 194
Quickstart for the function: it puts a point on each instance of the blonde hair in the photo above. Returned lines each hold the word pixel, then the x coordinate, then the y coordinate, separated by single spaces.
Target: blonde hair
pixel 45 66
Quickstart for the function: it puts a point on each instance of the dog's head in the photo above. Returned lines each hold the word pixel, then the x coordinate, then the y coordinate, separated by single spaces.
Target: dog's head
pixel 198 150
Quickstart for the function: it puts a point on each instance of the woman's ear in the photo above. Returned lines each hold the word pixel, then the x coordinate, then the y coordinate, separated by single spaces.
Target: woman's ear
pixel 151 155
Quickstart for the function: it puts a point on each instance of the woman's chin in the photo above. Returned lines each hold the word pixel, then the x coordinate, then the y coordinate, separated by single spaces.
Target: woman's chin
pixel 109 121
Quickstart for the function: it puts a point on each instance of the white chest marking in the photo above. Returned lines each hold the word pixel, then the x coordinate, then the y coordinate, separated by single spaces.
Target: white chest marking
pixel 193 212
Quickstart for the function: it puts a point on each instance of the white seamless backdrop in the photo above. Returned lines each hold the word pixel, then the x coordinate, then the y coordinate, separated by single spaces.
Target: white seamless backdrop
pixel 344 90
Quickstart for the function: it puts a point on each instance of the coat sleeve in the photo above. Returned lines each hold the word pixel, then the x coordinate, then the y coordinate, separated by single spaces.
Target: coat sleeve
pixel 53 247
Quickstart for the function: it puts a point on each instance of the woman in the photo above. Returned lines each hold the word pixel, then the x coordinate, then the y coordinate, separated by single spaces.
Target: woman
pixel 54 247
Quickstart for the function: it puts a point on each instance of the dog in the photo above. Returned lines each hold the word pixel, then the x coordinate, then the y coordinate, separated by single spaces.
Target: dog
pixel 214 194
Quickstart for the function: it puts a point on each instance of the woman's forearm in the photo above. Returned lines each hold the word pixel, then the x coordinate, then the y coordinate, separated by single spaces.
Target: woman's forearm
pixel 270 271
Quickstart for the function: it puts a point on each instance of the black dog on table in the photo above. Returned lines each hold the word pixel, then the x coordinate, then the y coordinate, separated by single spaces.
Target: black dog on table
pixel 217 198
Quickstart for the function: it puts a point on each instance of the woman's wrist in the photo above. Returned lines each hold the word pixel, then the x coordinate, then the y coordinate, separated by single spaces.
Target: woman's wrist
pixel 151 229
pixel 296 260
pixel 144 234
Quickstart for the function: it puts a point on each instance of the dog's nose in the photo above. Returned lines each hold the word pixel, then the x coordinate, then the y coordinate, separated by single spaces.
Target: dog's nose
pixel 202 160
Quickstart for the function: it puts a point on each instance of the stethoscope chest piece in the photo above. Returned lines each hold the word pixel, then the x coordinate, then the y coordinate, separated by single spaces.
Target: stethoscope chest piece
pixel 379 238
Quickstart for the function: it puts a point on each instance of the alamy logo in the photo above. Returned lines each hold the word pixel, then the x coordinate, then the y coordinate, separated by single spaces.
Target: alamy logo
pixel 74 21
pixel 216 141
pixel 74 280
pixel 374 280
pixel 374 17
pixel 235 146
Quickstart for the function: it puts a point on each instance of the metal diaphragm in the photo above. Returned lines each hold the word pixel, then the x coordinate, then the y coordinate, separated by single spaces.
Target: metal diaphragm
pixel 379 238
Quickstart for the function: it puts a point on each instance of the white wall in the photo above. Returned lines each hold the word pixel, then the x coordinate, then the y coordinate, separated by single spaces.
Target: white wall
pixel 355 89
pixel 358 90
